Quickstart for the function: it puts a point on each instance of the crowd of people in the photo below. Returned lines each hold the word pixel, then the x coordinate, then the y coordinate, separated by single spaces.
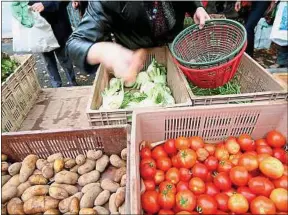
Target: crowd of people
pixel 111 31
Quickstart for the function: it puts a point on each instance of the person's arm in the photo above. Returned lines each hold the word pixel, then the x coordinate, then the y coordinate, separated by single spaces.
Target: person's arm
pixel 45 6
pixel 198 12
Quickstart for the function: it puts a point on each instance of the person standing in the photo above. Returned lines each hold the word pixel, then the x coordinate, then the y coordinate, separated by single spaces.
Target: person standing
pixel 55 12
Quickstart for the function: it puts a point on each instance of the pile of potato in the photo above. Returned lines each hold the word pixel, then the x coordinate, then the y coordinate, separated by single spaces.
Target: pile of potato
pixel 89 184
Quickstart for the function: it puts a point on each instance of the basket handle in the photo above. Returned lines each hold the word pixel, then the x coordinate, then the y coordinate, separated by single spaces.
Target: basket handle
pixel 150 145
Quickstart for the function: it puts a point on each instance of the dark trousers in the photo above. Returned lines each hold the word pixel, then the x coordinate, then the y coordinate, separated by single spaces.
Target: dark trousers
pixel 65 63
pixel 282 58
pixel 258 9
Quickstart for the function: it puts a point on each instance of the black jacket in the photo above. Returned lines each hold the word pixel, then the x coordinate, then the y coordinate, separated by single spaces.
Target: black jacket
pixel 129 23
pixel 55 12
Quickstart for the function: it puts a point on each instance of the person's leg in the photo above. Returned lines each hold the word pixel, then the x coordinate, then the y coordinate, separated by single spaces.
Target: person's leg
pixel 51 65
pixel 67 65
pixel 282 58
pixel 258 9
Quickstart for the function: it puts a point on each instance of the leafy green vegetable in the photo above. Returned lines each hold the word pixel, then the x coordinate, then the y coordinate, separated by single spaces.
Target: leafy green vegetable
pixel 8 66
pixel 141 79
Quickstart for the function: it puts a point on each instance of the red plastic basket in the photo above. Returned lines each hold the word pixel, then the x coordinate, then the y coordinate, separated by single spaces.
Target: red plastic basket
pixel 215 76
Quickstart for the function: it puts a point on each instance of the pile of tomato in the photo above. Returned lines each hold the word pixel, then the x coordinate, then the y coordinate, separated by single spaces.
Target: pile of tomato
pixel 236 176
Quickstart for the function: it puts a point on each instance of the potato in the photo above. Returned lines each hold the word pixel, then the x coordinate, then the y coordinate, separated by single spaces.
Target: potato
pixel 52 212
pixel 66 177
pixel 123 181
pixel 3 157
pixel 58 165
pixel 88 166
pixel 94 155
pixel 40 204
pixel 69 163
pixel 14 181
pixel 36 190
pixel 58 193
pixel 87 200
pixel 120 196
pixel 47 171
pixel 14 168
pixel 80 159
pixel 122 209
pixel 4 166
pixel 88 178
pixel 37 172
pixel 15 207
pixel 116 161
pixel 74 206
pixel 102 163
pixel 65 203
pixel 41 163
pixel 101 210
pixel 75 168
pixel 22 187
pixel 124 154
pixel 119 173
pixel 8 193
pixel 53 157
pixel 5 179
pixel 89 186
pixel 87 211
pixel 110 185
pixel 102 198
pixel 112 205
pixel 71 190
pixel 28 167
pixel 37 180
pixel 4 209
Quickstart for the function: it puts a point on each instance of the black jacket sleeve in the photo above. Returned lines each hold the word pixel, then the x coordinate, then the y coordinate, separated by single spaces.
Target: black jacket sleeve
pixel 50 6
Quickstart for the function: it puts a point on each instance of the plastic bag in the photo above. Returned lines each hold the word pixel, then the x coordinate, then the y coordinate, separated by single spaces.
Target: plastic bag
pixel 262 35
pixel 38 39
pixel 279 33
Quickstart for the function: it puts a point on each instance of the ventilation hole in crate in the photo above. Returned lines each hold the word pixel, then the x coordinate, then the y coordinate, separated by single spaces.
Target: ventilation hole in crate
pixel 8 126
pixel 16 114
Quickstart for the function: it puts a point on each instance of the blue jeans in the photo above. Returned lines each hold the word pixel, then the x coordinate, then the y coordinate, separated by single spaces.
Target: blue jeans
pixel 258 9
pixel 65 63
pixel 282 58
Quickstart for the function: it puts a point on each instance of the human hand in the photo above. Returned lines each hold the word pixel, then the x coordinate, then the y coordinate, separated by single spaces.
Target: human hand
pixel 200 17
pixel 38 7
pixel 237 5
pixel 75 4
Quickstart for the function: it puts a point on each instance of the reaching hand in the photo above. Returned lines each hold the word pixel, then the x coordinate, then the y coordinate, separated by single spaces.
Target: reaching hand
pixel 238 6
pixel 38 7
pixel 75 4
pixel 200 17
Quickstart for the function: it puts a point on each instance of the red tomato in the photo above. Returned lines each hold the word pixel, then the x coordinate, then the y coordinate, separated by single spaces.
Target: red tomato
pixel 165 212
pixel 175 161
pixel 285 170
pixel 196 143
pixel 159 176
pixel 238 204
pixel 261 142
pixel 164 163
pixel 222 201
pixel 222 181
pixel 275 139
pixel 262 205
pixel 239 175
pixel 221 153
pixel 224 166
pixel 172 175
pixel 187 158
pixel 210 148
pixel 235 158
pixel 230 192
pixel 167 185
pixel 202 154
pixel 158 152
pixel 280 198
pixel 197 185
pixel 211 163
pixel 149 184
pixel 271 167
pixel 261 186
pixel 150 161
pixel 211 189
pixel 145 153
pixel 232 146
pixel 183 213
pixel 281 182
pixel 246 142
pixel 185 174
pixel 169 147
pixel 250 162
pixel 182 143
pixel 185 200
pixel 200 170
pixel 147 171
pixel 221 212
pixel 254 153
pixel 206 204
pixel 182 186
pixel 264 150
pixel 210 177
pixel 247 193
pixel 281 155
pixel 149 202
pixel 166 199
